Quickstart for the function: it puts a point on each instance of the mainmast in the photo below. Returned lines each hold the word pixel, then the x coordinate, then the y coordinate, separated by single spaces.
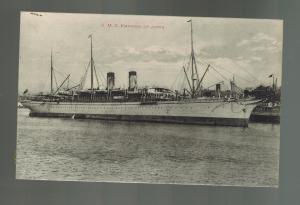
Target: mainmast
pixel 51 71
pixel 194 76
pixel 92 63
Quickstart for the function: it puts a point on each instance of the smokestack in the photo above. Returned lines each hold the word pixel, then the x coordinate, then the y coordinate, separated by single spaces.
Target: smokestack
pixel 110 80
pixel 132 85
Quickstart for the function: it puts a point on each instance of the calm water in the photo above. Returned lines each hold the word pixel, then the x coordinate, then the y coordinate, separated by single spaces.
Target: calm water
pixel 92 150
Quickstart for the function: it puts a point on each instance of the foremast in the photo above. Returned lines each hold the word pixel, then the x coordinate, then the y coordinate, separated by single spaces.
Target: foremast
pixel 52 76
pixel 194 82
pixel 93 69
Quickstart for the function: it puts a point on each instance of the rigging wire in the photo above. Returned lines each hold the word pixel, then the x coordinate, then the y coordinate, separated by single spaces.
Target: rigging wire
pixel 218 78
pixel 96 76
pixel 63 75
pixel 68 83
pixel 177 77
pixel 222 68
pixel 55 79
pixel 221 80
pixel 101 76
pixel 219 73
pixel 188 60
pixel 223 76
pixel 255 78
pixel 83 78
pixel 44 84
pixel 239 76
pixel 184 83
pixel 184 80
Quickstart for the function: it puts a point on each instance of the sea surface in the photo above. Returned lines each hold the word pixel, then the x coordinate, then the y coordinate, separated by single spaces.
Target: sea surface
pixel 114 151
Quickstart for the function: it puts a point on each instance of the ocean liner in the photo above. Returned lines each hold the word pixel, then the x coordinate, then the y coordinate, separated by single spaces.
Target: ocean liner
pixel 154 104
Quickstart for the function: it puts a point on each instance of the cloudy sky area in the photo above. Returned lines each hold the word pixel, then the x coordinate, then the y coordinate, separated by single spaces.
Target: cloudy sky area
pixel 249 49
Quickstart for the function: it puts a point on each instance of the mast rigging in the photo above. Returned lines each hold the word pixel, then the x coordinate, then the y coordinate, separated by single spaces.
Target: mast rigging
pixel 92 66
pixel 194 76
pixel 51 70
pixel 62 84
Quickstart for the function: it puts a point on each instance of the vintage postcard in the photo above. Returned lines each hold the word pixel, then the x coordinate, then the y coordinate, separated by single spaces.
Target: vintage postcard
pixel 149 99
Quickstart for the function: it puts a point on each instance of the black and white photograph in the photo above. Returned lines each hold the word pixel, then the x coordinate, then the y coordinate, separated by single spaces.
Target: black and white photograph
pixel 149 99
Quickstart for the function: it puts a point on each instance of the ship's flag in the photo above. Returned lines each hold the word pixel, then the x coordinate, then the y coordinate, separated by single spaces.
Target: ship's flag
pixel 90 36
pixel 270 76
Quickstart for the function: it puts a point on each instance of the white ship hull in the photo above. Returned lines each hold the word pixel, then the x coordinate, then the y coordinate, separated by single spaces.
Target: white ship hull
pixel 192 112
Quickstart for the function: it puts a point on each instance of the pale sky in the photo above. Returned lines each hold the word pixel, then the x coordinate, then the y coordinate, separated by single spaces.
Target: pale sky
pixel 156 47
